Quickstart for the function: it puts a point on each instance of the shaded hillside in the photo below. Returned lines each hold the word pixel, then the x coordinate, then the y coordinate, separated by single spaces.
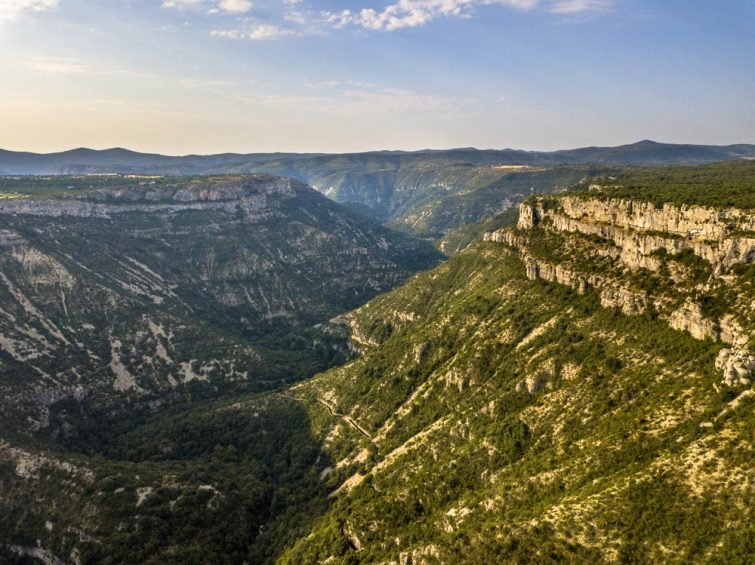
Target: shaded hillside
pixel 208 482
pixel 134 291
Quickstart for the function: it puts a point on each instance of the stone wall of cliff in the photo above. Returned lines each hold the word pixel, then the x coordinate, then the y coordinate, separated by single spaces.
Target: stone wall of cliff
pixel 633 239
pixel 723 237
pixel 256 197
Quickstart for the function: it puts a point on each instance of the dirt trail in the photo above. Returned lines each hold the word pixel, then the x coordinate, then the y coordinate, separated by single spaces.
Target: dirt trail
pixel 348 419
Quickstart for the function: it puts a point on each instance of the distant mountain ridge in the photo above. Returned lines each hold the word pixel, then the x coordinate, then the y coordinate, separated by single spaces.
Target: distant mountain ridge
pixel 120 160
pixel 427 193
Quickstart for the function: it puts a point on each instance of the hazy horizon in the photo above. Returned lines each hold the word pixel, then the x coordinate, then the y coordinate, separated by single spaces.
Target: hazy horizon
pixel 379 150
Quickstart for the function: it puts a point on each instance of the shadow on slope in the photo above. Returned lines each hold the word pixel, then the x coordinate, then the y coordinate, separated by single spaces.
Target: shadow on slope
pixel 212 482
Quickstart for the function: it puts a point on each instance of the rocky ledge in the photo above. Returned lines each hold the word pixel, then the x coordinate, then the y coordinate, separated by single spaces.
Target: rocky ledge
pixel 723 237
pixel 252 195
pixel 630 236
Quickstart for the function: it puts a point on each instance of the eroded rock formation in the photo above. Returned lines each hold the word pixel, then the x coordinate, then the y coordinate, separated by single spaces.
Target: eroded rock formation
pixel 636 238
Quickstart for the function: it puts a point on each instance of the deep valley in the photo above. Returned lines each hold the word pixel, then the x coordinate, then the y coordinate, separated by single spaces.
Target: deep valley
pixel 234 368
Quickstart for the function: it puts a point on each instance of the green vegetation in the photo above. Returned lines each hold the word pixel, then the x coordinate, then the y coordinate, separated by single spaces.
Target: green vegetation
pixel 65 185
pixel 488 417
pixel 526 429
pixel 731 183
pixel 458 239
pixel 221 482
pixel 130 344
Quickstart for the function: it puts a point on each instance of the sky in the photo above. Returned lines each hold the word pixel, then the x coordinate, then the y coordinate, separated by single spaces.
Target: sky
pixel 212 76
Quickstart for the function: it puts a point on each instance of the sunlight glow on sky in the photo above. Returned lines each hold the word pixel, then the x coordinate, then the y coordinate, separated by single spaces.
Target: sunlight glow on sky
pixel 210 76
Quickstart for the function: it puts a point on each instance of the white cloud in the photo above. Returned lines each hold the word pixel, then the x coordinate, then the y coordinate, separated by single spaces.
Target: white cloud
pixel 269 31
pixel 260 32
pixel 235 6
pixel 214 7
pixel 10 9
pixel 295 17
pixel 228 33
pixel 412 13
pixel 182 3
pixel 579 6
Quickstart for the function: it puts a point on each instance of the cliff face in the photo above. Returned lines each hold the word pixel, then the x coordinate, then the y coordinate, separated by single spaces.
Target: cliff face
pixel 257 197
pixel 134 292
pixel 637 257
pixel 640 229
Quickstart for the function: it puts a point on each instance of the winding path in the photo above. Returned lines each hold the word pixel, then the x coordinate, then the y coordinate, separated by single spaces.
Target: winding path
pixel 348 419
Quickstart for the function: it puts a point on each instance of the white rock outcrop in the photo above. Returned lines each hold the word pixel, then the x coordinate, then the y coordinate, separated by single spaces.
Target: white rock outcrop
pixel 690 318
pixel 639 228
pixel 737 365
pixel 630 234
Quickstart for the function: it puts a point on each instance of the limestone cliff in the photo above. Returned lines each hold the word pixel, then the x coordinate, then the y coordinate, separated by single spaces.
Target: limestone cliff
pixel 637 258
pixel 640 229
pixel 257 197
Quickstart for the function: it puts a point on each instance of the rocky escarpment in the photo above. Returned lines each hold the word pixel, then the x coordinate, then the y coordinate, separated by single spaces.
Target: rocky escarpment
pixel 674 262
pixel 737 365
pixel 133 292
pixel 612 293
pixel 591 413
pixel 255 196
pixel 640 229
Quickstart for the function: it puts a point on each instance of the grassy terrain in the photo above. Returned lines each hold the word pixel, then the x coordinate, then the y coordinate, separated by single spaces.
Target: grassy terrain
pixel 72 185
pixel 487 418
pixel 519 421
pixel 725 184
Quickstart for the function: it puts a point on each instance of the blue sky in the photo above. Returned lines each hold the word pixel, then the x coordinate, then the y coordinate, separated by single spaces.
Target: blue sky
pixel 203 76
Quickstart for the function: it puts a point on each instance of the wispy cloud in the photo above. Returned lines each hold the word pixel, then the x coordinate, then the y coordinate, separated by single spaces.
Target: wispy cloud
pixel 182 3
pixel 59 65
pixel 74 66
pixel 212 7
pixel 235 6
pixel 413 13
pixel 293 18
pixel 400 99
pixel 329 97
pixel 579 6
pixel 256 32
pixel 11 9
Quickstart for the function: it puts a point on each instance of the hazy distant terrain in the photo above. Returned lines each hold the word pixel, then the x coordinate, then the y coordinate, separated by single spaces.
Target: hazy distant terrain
pixel 77 161
pixel 426 193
